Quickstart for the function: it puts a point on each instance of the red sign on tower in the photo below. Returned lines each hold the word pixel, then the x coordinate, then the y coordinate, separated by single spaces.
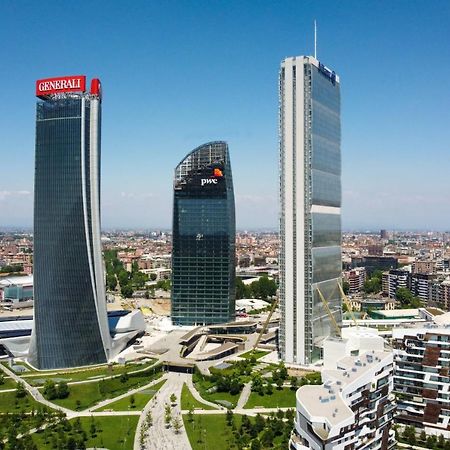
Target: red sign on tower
pixel 48 86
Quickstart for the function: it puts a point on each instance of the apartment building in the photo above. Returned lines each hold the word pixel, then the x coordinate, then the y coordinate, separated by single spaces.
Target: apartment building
pixel 421 376
pixel 352 409
pixel 356 279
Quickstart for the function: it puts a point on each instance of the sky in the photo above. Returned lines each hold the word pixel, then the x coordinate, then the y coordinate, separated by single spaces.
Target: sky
pixel 177 74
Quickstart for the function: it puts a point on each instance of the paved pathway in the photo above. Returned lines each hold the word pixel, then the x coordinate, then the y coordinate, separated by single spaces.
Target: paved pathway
pixel 158 436
pixel 245 394
pixel 197 395
pixel 34 392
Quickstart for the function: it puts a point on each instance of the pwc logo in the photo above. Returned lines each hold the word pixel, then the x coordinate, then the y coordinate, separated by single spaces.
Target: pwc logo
pixel 217 173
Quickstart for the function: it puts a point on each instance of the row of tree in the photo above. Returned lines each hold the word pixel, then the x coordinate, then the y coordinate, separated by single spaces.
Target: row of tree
pixel 264 288
pixel 116 275
pixel 16 268
pixel 53 391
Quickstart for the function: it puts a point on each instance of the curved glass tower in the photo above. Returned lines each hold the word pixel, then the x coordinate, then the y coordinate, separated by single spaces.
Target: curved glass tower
pixel 203 254
pixel 71 326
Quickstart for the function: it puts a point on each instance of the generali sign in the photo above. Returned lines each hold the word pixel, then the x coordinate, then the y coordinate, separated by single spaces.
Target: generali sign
pixel 75 83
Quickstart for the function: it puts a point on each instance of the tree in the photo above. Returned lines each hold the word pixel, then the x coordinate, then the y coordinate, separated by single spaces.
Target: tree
pixel 176 424
pixel 62 390
pixel 132 401
pixel 229 417
pixel 20 390
pixel 191 415
pixel 346 287
pixel 173 398
pixel 153 276
pixel 93 428
pixel 124 377
pixel 267 438
pixel 242 290
pixel 423 436
pixel 409 435
pixel 259 423
pixel 283 371
pixel 71 444
pixel 404 296
pixel 294 383
pixel 126 291
pixel 111 281
pixel 2 378
pixel 149 419
pixel 279 384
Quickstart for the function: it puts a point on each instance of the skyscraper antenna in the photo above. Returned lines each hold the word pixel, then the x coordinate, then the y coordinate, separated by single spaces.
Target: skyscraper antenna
pixel 315 39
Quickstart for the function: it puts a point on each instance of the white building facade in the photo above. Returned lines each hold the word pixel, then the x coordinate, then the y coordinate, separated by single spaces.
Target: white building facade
pixel 310 198
pixel 352 409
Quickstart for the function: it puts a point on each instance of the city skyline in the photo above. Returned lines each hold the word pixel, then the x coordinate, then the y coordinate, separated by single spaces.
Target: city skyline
pixel 394 128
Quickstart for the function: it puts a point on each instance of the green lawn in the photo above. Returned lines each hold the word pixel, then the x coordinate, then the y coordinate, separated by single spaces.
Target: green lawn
pixel 113 433
pixel 257 354
pixel 202 387
pixel 140 400
pixel 10 403
pixel 92 373
pixel 9 383
pixel 188 401
pixel 211 430
pixel 283 398
pixel 89 394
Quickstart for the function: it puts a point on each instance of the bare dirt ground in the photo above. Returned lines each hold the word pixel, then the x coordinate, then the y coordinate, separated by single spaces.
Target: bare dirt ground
pixel 160 306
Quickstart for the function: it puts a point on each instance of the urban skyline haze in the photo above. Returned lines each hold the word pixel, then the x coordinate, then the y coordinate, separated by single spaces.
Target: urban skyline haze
pixel 177 74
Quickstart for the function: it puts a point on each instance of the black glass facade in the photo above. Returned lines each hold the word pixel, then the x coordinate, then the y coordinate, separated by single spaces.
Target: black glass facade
pixel 67 329
pixel 203 255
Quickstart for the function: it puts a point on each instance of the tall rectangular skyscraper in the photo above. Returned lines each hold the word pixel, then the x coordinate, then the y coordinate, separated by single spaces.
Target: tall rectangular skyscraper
pixel 310 196
pixel 70 319
pixel 204 233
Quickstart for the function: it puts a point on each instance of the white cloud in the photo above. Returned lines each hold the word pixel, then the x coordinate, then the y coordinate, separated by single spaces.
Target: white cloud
pixel 11 194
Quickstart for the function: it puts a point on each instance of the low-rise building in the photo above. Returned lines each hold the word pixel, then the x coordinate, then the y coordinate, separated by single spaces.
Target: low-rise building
pixel 393 280
pixel 352 409
pixel 356 279
pixel 16 289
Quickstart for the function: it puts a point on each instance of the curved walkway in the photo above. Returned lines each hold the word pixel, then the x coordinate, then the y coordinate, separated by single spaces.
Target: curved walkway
pixel 34 392
pixel 158 436
pixel 197 395
pixel 245 394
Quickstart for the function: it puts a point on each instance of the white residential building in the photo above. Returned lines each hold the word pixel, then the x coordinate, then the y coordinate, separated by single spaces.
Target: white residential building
pixel 352 409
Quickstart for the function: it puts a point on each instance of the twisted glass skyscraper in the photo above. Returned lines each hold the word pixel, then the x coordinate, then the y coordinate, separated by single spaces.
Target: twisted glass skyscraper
pixel 71 326
pixel 203 254
pixel 310 196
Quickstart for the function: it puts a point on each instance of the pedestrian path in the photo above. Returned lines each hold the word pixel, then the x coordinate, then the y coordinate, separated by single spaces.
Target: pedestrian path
pixel 159 437
pixel 245 394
